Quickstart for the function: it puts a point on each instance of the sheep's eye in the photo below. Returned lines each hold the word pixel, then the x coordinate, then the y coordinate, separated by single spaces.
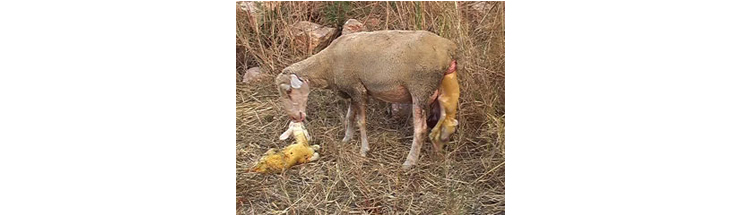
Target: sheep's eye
pixel 287 93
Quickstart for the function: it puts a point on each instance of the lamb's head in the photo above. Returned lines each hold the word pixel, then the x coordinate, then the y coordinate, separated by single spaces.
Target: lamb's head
pixel 299 132
pixel 448 127
pixel 293 95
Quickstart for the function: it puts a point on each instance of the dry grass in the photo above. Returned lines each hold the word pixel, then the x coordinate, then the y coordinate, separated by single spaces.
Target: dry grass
pixel 468 180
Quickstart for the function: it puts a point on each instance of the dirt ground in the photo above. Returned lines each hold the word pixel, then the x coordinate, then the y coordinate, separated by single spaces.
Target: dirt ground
pixel 468 179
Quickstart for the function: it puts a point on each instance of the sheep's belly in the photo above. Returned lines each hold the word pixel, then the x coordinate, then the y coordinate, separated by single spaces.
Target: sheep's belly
pixel 398 95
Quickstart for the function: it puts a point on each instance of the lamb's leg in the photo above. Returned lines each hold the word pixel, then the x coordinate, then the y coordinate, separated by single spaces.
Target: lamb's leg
pixel 349 123
pixel 420 126
pixel 434 135
pixel 314 157
pixel 362 104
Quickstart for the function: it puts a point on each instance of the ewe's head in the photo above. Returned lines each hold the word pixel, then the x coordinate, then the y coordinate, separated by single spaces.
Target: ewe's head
pixel 293 95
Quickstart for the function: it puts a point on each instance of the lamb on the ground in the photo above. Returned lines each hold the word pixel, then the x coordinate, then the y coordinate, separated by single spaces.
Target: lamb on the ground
pixel 393 66
pixel 294 154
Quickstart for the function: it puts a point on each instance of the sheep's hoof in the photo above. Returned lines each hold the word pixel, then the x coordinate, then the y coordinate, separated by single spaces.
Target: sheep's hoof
pixel 407 165
pixel 363 151
pixel 315 147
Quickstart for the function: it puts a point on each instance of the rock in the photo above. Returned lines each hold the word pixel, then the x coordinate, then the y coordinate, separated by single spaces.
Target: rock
pixel 352 26
pixel 248 6
pixel 255 9
pixel 373 23
pixel 270 5
pixel 482 7
pixel 252 74
pixel 252 9
pixel 310 36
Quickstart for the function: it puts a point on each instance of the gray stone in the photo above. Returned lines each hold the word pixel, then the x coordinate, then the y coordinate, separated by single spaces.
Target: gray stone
pixel 352 26
pixel 310 36
pixel 252 74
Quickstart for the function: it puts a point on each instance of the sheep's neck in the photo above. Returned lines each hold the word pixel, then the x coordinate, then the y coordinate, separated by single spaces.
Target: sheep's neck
pixel 315 69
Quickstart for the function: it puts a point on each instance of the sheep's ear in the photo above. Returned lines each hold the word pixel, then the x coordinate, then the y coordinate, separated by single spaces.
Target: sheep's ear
pixel 295 82
pixel 286 134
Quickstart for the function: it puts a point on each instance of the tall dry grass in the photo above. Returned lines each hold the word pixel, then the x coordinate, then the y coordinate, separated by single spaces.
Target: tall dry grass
pixel 468 180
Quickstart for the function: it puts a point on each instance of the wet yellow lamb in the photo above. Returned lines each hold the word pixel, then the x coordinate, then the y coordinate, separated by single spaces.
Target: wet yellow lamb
pixel 449 92
pixel 297 153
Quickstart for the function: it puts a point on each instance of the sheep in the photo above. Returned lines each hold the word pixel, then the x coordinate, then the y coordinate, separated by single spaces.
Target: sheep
pixel 297 153
pixel 393 66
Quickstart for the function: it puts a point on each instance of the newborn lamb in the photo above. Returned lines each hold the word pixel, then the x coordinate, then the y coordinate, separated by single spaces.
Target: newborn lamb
pixel 297 153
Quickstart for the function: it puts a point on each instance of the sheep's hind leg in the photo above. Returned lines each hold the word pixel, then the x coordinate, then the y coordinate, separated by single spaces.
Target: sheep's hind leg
pixel 363 129
pixel 420 126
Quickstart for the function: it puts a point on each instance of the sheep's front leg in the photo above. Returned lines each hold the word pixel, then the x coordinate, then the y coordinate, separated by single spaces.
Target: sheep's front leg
pixel 420 126
pixel 349 123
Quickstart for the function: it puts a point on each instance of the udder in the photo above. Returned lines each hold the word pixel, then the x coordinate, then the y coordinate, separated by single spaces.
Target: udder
pixel 398 94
